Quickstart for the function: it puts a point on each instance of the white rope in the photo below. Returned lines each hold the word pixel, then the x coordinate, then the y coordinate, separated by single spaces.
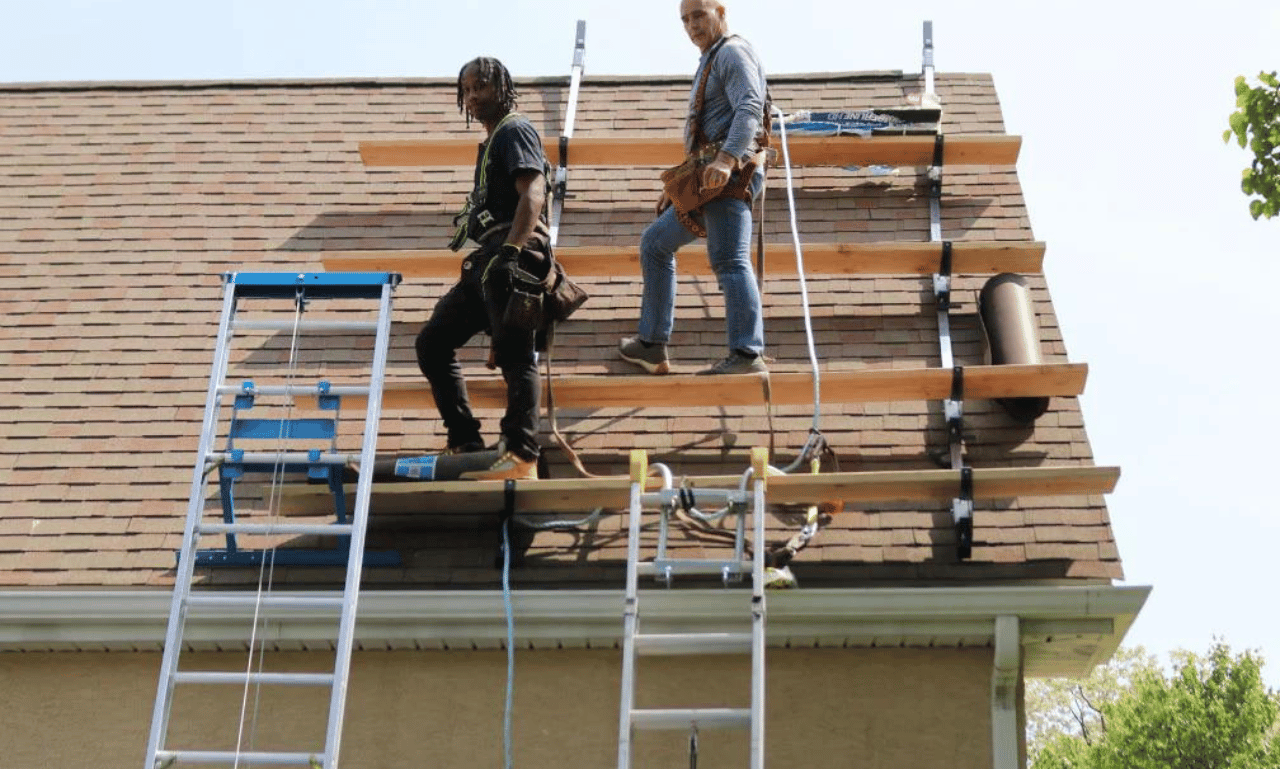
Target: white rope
pixel 804 290
pixel 266 574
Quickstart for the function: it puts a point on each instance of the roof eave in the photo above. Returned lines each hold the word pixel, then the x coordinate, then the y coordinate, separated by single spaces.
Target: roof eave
pixel 1065 630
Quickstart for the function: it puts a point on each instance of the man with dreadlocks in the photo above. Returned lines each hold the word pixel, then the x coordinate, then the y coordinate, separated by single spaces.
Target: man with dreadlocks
pixel 499 289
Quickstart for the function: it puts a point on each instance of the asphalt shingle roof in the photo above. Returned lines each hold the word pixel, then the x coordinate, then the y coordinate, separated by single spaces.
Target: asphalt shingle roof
pixel 121 205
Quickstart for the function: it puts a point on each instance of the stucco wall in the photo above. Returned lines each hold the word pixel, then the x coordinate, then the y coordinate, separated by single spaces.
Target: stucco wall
pixel 872 709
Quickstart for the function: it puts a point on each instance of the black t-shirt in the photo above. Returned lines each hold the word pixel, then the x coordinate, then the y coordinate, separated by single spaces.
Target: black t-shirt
pixel 516 149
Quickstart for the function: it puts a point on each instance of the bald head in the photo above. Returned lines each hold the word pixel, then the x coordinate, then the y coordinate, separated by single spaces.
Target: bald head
pixel 704 22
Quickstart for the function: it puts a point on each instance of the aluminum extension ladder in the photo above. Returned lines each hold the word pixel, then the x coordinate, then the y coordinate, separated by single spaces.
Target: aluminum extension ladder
pixel 665 569
pixel 317 464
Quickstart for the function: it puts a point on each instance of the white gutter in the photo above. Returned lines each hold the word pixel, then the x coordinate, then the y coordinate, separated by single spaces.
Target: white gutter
pixel 1064 630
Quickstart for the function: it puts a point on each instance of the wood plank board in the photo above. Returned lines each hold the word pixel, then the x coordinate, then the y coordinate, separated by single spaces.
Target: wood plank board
pixel 882 258
pixel 958 150
pixel 568 495
pixel 858 386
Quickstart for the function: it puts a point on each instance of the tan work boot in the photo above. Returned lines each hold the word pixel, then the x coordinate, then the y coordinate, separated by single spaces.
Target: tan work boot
pixel 508 467
pixel 466 448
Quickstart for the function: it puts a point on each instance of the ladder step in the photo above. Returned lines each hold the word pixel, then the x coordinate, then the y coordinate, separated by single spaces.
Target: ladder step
pixel 692 643
pixel 684 718
pixel 295 529
pixel 276 458
pixel 678 566
pixel 232 758
pixel 317 285
pixel 283 679
pixel 309 390
pixel 266 601
pixel 303 325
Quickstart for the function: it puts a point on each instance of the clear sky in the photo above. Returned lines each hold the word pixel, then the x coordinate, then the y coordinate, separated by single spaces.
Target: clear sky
pixel 1161 281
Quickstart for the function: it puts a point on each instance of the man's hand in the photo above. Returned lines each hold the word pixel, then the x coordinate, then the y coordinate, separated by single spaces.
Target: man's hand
pixel 716 174
pixel 664 203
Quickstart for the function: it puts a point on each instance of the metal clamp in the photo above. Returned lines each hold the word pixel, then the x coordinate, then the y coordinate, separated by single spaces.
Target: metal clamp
pixel 953 407
pixel 942 279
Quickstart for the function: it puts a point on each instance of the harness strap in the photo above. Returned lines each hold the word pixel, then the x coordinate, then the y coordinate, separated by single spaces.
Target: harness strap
pixel 463 218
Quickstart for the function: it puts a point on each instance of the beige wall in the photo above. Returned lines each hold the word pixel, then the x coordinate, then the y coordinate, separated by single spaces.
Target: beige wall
pixel 871 709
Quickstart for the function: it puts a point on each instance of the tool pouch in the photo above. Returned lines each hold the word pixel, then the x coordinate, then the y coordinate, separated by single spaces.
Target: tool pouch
pixel 524 305
pixel 683 186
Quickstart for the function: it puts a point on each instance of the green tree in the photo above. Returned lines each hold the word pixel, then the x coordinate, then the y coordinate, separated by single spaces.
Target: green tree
pixel 1212 712
pixel 1058 707
pixel 1256 124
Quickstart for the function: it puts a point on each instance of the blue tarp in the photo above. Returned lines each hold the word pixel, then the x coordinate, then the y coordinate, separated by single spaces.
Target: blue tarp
pixel 858 122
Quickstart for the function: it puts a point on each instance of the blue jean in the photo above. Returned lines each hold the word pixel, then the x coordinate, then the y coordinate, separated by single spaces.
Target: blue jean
pixel 728 223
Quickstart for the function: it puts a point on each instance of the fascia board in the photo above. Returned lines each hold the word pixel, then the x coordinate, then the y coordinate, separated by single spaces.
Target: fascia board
pixel 1097 615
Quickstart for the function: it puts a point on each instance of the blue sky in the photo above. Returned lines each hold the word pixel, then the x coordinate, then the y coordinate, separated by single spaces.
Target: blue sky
pixel 1161 281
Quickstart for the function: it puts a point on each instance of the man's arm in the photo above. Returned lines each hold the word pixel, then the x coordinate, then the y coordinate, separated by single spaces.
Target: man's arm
pixel 741 76
pixel 532 187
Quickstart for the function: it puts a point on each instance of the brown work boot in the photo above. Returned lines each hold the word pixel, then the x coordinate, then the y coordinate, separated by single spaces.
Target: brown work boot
pixel 466 448
pixel 508 467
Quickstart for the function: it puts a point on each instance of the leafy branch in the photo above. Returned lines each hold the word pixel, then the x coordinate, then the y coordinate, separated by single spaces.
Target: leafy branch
pixel 1256 125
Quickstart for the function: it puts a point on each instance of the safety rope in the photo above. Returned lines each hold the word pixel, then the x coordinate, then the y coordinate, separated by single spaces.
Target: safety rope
pixel 266 568
pixel 561 441
pixel 815 445
pixel 800 273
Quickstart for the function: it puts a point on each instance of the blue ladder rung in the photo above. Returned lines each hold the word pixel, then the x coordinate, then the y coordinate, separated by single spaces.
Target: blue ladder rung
pixel 316 285
pixel 282 429
pixel 292 557
pixel 318 470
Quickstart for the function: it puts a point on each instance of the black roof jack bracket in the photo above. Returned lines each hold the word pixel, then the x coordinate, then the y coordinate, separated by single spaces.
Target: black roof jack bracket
pixel 942 279
pixel 505 522
pixel 962 515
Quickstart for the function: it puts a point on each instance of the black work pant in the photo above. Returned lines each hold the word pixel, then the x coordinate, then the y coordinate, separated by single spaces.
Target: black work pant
pixel 470 307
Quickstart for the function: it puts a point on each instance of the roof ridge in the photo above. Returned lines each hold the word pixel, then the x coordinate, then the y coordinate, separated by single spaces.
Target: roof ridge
pixel 383 82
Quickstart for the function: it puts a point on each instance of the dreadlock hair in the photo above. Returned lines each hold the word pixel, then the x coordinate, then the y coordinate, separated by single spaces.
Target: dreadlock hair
pixel 490 71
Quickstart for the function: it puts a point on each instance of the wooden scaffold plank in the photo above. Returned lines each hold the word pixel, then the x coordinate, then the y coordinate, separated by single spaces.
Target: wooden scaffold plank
pixel 789 389
pixel 568 495
pixel 958 150
pixel 879 258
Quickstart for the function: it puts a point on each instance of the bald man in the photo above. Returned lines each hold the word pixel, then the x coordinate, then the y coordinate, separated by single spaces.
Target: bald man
pixel 728 129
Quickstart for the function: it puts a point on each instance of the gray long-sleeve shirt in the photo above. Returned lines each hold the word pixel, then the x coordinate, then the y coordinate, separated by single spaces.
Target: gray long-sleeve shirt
pixel 734 104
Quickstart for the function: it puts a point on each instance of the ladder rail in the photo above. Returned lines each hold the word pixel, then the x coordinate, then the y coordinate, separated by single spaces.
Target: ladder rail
pixel 571 111
pixel 195 511
pixel 760 475
pixel 630 621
